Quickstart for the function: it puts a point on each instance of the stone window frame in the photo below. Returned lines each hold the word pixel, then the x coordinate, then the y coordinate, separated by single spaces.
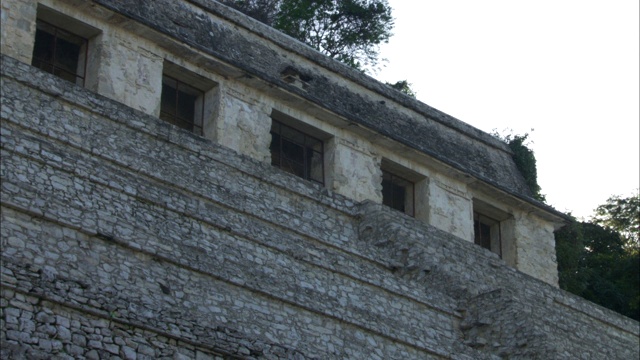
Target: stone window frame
pixel 419 199
pixel 487 233
pixel 170 109
pixel 204 103
pixel 66 26
pixel 390 198
pixel 490 220
pixel 306 140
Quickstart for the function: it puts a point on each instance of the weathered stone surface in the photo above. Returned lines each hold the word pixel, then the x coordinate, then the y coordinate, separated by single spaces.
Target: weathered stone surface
pixel 432 132
pixel 126 61
pixel 354 171
pixel 450 209
pixel 120 258
pixel 126 237
pixel 18 29
pixel 244 126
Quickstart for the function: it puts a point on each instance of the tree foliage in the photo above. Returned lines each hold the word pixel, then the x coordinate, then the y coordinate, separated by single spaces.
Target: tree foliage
pixel 525 161
pixel 404 87
pixel 570 257
pixel 346 30
pixel 622 215
pixel 595 261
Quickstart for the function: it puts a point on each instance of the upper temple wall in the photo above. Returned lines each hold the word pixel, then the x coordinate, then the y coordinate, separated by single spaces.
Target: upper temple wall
pixel 260 51
pixel 254 74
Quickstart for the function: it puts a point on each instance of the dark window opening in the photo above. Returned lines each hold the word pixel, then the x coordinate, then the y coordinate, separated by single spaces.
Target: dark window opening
pixel 296 152
pixel 182 105
pixel 60 52
pixel 397 193
pixel 487 233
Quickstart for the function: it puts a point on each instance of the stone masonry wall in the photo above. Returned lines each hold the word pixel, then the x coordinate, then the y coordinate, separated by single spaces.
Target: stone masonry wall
pixel 104 226
pixel 127 60
pixel 536 247
pixel 125 237
pixel 235 39
pixel 506 313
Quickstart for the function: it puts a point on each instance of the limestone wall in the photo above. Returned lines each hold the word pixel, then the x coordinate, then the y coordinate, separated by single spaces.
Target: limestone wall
pixel 129 50
pixel 18 29
pixel 103 229
pixel 451 208
pixel 535 241
pixel 125 236
pixel 354 170
pixel 255 54
pixel 244 122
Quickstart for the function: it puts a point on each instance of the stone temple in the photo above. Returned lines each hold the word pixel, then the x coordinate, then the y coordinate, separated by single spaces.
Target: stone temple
pixel 180 181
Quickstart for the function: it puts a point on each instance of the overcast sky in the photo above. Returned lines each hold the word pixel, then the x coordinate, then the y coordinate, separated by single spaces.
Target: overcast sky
pixel 568 69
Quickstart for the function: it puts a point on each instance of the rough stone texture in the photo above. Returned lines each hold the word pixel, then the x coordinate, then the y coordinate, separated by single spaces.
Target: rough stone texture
pixel 125 237
pixel 130 73
pixel 127 58
pixel 506 313
pixel 432 132
pixel 450 209
pixel 244 125
pixel 534 241
pixel 354 170
pixel 18 29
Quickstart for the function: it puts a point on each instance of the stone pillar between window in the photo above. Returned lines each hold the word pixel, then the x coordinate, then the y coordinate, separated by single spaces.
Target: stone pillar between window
pixel 211 112
pixel 130 74
pixel 353 170
pixel 422 200
pixel 535 247
pixel 94 61
pixel 243 124
pixel 450 208
pixel 18 28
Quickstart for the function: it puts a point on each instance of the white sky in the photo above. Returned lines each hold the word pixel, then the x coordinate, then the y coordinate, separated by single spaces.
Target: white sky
pixel 569 69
